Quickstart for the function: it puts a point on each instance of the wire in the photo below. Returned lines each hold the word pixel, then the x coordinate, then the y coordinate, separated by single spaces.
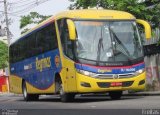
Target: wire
pixel 20 1
pixel 14 15
pixel 25 9
pixel 31 6
pixel 19 6
pixel 11 14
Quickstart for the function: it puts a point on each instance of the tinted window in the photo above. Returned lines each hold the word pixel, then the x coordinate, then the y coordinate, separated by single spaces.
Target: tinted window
pixel 38 42
pixel 67 44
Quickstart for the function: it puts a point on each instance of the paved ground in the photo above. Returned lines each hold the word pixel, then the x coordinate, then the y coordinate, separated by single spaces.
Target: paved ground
pixel 89 103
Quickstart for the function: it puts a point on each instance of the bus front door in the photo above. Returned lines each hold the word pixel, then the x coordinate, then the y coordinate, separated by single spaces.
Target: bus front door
pixel 71 77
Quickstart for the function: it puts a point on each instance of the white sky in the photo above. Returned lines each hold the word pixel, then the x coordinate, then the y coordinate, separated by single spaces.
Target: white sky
pixel 50 7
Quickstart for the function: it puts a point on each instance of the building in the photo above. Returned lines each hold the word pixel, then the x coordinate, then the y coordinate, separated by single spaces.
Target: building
pixel 152 54
pixel 4 85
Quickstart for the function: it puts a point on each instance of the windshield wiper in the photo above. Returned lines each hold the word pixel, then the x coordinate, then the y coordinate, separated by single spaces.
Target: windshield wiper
pixel 100 45
pixel 120 45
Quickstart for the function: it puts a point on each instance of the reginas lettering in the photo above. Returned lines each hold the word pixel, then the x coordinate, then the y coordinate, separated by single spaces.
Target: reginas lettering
pixel 104 70
pixel 43 63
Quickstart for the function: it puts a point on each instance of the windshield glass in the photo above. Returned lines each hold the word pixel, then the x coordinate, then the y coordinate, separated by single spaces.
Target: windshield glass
pixel 108 41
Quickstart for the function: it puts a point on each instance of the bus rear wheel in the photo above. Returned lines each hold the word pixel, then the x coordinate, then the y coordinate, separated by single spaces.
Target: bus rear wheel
pixel 28 97
pixel 115 95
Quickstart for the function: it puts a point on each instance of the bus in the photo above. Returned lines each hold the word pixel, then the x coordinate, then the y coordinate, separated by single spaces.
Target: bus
pixel 78 52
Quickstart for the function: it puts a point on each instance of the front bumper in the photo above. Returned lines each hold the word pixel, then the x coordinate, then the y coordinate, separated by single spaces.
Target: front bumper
pixel 87 84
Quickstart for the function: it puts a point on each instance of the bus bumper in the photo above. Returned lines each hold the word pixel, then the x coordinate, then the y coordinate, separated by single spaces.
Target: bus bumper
pixel 87 84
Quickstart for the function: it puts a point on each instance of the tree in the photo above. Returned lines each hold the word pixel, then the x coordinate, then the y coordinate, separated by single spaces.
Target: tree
pixel 32 18
pixel 139 10
pixel 3 55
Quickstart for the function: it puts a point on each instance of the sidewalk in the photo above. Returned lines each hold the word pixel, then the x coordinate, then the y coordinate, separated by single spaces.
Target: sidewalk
pixel 6 94
pixel 145 93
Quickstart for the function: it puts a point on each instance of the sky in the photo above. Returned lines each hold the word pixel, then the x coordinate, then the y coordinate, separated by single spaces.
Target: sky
pixel 50 7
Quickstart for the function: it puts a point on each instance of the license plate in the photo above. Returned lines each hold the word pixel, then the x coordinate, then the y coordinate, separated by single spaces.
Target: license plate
pixel 116 84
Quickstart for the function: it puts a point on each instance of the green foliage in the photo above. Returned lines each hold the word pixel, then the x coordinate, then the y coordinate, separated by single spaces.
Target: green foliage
pixel 25 20
pixel 139 10
pixel 32 18
pixel 3 55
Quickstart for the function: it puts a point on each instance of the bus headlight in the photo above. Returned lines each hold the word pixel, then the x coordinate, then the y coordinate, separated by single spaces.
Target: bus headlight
pixel 140 71
pixel 87 73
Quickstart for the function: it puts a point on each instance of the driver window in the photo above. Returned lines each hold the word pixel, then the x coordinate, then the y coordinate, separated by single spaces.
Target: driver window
pixel 67 44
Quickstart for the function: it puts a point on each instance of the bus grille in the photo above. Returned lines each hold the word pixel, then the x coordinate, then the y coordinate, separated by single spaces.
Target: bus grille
pixel 114 76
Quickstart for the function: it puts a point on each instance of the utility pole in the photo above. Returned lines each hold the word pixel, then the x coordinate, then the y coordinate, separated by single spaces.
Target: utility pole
pixel 7 29
pixel 6 20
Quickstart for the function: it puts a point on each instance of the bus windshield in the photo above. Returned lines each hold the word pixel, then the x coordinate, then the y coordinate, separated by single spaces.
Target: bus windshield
pixel 108 41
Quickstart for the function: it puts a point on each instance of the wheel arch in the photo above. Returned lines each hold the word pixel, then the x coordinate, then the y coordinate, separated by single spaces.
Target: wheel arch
pixel 57 77
pixel 57 82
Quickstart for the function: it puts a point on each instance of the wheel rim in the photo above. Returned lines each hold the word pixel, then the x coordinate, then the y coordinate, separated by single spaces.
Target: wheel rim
pixel 24 91
pixel 61 90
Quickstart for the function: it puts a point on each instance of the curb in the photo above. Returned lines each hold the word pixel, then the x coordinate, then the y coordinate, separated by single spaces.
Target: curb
pixel 6 94
pixel 143 94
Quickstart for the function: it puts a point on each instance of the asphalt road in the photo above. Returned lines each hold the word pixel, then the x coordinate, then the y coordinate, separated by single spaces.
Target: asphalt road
pixel 90 104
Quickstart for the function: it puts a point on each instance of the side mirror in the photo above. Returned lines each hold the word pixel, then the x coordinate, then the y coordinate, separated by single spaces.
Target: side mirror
pixel 146 26
pixel 71 29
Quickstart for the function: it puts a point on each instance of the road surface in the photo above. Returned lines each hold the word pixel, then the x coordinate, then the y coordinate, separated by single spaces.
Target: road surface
pixel 85 104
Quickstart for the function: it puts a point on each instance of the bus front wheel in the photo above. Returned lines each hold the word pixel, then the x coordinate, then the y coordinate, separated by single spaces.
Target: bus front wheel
pixel 66 97
pixel 28 97
pixel 115 95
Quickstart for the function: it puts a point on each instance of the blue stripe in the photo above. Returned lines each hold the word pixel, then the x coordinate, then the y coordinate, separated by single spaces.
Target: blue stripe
pixel 108 70
pixel 39 79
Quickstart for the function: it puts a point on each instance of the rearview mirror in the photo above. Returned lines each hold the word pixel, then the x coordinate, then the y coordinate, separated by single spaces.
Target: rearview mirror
pixel 71 29
pixel 147 28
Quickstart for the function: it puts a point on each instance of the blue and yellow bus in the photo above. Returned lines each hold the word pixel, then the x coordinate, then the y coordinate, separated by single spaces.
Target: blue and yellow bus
pixel 79 51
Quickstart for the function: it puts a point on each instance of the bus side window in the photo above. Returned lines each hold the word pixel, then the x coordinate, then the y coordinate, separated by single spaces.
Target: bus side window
pixel 46 39
pixel 67 44
pixel 51 37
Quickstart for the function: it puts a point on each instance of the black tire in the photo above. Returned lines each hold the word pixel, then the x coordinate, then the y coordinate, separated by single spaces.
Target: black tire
pixel 28 97
pixel 115 95
pixel 66 97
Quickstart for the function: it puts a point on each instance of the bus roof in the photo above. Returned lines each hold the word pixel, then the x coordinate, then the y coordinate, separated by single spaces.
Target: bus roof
pixel 84 14
pixel 95 14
